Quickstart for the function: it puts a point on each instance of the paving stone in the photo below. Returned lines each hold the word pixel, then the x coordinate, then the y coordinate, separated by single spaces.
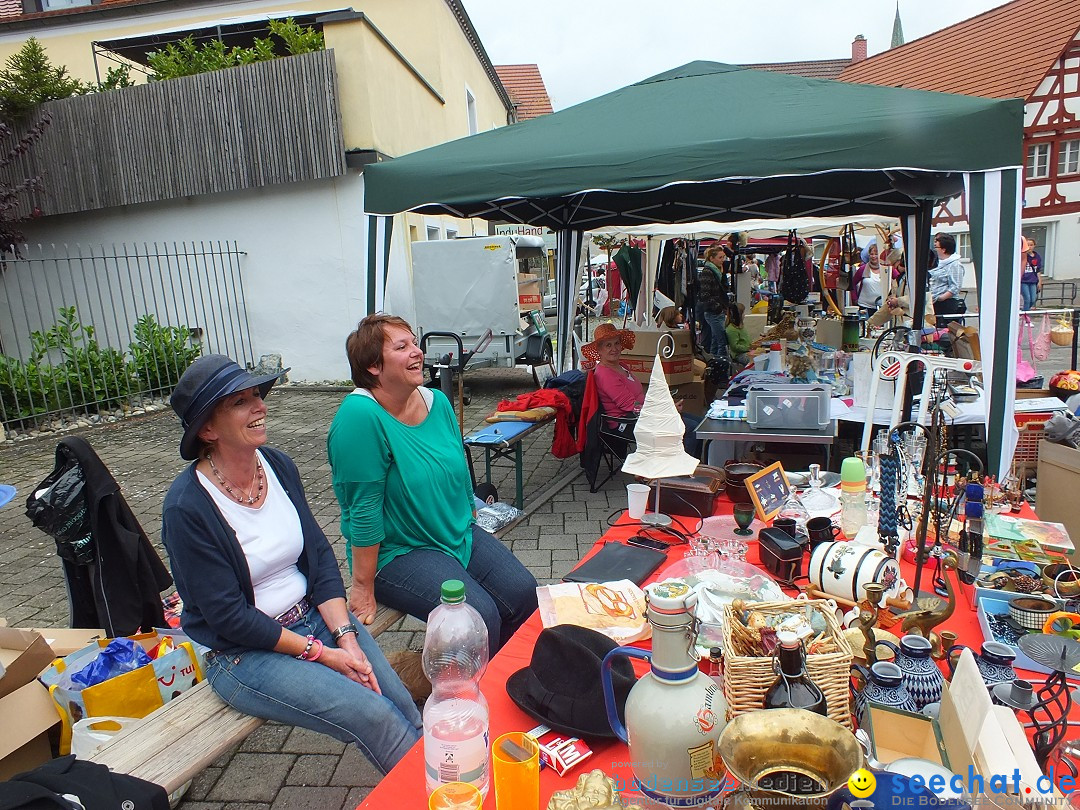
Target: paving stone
pixel 269 737
pixel 249 806
pixel 185 805
pixel 223 760
pixel 524 545
pixel 310 798
pixel 253 777
pixel 312 769
pixel 202 784
pixel 354 770
pixel 593 527
pixel 354 797
pixel 305 741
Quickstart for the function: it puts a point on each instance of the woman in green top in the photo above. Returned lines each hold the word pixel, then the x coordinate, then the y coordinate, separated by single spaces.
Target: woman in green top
pixel 737 336
pixel 401 478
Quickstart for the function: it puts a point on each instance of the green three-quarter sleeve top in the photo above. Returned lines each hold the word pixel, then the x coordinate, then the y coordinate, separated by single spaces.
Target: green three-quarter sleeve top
pixel 403 486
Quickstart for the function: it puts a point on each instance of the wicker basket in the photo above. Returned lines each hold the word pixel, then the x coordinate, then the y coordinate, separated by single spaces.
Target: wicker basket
pixel 747 678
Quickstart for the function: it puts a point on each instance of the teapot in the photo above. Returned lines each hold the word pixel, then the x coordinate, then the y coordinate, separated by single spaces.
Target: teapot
pixel 674 713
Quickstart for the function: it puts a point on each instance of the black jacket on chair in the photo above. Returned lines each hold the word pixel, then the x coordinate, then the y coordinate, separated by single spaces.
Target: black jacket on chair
pixel 121 589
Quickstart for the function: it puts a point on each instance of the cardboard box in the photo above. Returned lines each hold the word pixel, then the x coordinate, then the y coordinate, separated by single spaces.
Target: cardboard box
pixel 65 640
pixel 529 297
pixel 26 715
pixel 26 709
pixel 829 331
pixel 23 654
pixel 692 395
pixel 755 324
pixel 678 369
pixel 1059 481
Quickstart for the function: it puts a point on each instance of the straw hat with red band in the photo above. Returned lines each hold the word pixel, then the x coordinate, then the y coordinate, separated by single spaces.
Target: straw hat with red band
pixel 606 331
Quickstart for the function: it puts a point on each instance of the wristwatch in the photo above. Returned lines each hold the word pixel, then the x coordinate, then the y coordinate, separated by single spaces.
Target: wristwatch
pixel 342 631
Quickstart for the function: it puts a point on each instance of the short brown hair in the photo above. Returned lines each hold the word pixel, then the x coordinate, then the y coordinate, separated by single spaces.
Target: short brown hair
pixel 364 347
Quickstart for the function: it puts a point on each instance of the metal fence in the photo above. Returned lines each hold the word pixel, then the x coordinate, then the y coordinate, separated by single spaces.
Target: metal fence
pixel 90 329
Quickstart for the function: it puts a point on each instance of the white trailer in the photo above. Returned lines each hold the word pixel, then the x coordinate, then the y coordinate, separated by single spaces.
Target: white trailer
pixel 467 286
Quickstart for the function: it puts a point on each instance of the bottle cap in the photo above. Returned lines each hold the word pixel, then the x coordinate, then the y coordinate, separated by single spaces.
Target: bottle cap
pixel 788 639
pixel 851 311
pixel 453 590
pixel 852 475
pixel 776 347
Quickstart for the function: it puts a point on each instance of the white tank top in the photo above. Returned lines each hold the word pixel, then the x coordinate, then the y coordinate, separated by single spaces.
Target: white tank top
pixel 272 540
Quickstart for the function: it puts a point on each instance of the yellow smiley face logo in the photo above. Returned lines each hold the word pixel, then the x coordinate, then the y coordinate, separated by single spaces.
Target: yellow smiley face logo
pixel 862 783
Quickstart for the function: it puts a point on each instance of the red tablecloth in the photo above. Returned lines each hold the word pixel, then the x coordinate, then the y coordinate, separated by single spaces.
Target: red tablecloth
pixel 404 786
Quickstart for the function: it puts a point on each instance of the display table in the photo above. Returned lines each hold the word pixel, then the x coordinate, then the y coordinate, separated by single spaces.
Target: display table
pixel 404 785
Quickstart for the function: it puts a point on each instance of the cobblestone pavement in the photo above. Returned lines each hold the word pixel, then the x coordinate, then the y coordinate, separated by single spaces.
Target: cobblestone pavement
pixel 279 767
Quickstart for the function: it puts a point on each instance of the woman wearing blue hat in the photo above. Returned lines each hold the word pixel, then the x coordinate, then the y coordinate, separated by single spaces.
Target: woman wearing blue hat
pixel 260 582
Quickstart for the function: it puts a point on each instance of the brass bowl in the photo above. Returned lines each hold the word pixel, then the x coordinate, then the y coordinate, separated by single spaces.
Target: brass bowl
pixel 1061 579
pixel 790 753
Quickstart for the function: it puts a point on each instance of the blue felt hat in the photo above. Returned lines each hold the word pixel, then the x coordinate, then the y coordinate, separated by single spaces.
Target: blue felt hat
pixel 207 380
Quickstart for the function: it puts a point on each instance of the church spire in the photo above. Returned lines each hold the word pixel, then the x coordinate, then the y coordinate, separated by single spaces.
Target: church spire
pixel 897 29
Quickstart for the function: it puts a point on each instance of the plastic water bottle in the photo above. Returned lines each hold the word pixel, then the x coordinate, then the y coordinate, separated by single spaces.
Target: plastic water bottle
pixel 852 496
pixel 456 742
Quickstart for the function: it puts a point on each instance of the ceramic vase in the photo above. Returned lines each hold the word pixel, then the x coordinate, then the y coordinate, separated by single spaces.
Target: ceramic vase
pixel 883 683
pixel 995 662
pixel 922 678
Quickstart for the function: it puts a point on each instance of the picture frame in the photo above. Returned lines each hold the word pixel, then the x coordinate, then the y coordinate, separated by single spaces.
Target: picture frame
pixel 768 490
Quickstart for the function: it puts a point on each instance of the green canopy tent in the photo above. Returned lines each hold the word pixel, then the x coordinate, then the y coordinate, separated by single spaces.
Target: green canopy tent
pixel 709 141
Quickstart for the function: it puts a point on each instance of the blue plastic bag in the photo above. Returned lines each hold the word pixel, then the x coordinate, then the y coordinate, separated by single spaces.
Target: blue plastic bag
pixel 120 656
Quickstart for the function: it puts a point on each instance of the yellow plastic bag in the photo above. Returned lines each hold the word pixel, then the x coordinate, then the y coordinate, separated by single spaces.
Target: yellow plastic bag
pixel 133 694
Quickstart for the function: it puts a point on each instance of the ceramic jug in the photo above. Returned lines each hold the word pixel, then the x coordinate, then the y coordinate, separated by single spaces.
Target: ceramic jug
pixel 995 662
pixel 922 678
pixel 674 713
pixel 883 683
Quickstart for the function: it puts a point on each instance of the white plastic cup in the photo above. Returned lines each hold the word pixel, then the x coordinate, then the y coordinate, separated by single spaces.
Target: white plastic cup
pixel 637 497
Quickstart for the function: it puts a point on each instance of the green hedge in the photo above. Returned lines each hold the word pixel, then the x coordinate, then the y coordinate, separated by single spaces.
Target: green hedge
pixel 68 370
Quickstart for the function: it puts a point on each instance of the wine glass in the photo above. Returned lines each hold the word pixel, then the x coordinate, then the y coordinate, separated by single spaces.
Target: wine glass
pixel 744 516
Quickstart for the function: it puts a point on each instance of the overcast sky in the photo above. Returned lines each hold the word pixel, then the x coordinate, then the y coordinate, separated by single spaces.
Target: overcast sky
pixel 586 48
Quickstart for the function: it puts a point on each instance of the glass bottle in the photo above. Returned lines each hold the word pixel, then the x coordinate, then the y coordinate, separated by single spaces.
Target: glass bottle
pixel 793 688
pixel 815 499
pixel 794 509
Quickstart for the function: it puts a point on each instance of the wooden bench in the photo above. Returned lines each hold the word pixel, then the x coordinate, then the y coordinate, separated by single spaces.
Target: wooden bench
pixel 173 744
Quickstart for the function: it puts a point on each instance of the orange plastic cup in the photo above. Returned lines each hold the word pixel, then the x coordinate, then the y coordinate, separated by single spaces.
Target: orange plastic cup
pixel 515 767
pixel 456 796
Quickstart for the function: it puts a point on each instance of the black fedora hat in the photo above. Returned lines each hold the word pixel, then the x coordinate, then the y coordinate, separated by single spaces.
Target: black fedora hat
pixel 206 381
pixel 561 686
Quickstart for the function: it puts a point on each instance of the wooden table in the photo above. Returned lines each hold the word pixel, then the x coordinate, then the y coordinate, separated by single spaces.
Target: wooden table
pixel 404 785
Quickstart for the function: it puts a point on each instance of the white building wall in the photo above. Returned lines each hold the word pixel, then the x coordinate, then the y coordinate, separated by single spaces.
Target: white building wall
pixel 304 272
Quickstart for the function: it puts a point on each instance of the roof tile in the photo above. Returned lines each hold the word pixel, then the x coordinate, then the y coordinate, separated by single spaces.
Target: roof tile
pixel 526 88
pixel 815 69
pixel 1001 53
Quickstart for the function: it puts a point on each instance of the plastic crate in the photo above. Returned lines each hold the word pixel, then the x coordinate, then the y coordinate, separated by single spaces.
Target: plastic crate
pixel 791 406
pixel 1031 427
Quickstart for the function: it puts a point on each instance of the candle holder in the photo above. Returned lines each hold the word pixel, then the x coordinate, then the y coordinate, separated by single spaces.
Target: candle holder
pixel 1050 712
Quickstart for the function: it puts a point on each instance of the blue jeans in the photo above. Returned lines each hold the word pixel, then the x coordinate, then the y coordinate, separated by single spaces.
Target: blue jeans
pixel 1029 291
pixel 276 686
pixel 496 583
pixel 717 323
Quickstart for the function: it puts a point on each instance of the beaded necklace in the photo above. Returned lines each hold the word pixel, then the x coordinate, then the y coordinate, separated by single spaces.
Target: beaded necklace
pixel 237 491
